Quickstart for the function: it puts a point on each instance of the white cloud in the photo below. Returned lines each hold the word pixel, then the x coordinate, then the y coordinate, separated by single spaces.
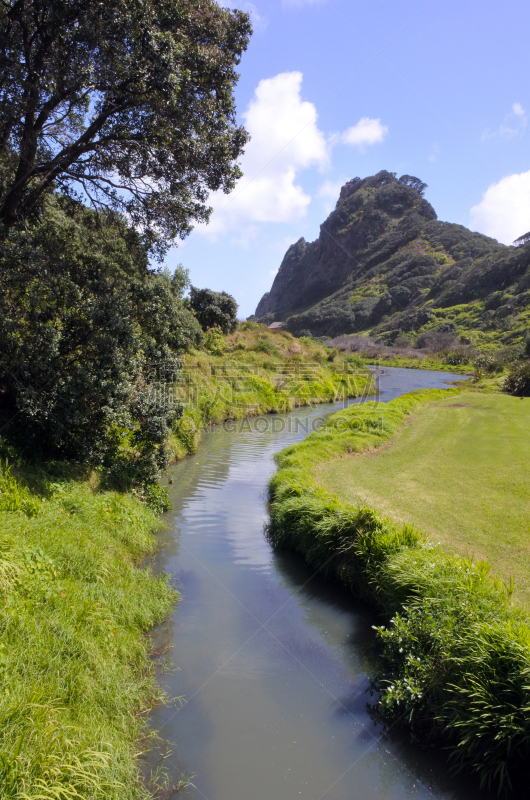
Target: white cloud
pixel 285 139
pixel 367 131
pixel 512 126
pixel 504 211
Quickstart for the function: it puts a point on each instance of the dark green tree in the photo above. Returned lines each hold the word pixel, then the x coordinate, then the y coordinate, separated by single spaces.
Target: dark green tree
pixel 214 309
pixel 128 103
pixel 415 183
pixel 89 337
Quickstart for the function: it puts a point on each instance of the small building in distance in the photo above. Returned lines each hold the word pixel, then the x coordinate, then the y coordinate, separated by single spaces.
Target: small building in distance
pixel 275 326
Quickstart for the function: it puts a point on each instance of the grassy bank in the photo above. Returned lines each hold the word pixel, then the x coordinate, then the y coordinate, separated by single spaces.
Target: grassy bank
pixel 428 363
pixel 75 608
pixel 460 470
pixel 258 371
pixel 454 651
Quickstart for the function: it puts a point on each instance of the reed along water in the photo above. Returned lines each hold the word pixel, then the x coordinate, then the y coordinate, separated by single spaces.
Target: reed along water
pixel 273 662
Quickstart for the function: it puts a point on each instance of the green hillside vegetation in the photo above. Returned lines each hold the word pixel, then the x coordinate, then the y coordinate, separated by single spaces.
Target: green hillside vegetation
pixel 453 649
pixel 384 265
pixel 459 470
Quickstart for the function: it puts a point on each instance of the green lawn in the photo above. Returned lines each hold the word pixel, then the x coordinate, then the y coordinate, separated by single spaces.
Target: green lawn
pixel 459 470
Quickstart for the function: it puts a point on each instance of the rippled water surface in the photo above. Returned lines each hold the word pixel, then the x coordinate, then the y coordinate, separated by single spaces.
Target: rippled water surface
pixel 271 659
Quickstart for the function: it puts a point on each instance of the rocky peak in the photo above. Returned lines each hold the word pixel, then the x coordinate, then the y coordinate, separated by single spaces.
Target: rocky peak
pixel 384 263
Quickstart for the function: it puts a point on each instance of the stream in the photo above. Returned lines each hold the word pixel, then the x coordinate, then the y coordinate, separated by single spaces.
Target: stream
pixel 271 660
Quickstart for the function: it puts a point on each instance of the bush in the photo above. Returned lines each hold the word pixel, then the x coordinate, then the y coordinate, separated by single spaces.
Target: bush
pixel 214 342
pixel 455 358
pixel 488 363
pixel 154 496
pixel 250 325
pixel 442 337
pixel 403 340
pixel 214 309
pixel 518 380
pixel 265 346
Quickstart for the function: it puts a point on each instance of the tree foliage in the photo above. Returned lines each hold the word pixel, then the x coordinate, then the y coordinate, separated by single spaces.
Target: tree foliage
pixel 127 103
pixel 86 333
pixel 214 309
pixel 522 240
pixel 415 183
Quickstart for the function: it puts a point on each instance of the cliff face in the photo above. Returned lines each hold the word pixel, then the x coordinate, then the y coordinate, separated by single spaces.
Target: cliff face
pixel 384 264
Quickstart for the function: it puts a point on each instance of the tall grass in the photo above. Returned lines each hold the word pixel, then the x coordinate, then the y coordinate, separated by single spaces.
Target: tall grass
pixel 259 372
pixel 454 652
pixel 75 608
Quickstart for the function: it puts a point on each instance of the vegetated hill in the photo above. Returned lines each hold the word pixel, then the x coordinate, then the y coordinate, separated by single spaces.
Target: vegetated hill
pixel 385 265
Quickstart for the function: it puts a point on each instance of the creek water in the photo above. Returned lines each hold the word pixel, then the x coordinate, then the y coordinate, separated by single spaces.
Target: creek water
pixel 272 659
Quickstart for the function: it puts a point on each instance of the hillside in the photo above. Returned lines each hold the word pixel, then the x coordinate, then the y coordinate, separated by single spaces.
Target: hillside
pixel 385 265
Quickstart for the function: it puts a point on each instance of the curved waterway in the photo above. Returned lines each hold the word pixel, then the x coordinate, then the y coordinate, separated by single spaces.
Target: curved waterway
pixel 271 658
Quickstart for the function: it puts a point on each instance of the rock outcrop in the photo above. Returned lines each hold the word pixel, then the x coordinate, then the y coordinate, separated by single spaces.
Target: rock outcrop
pixel 384 264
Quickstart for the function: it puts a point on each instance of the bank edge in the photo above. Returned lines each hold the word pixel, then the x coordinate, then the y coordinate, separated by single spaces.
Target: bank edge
pixel 454 653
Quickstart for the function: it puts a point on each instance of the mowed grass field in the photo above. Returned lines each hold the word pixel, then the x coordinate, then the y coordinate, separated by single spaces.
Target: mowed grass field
pixel 460 471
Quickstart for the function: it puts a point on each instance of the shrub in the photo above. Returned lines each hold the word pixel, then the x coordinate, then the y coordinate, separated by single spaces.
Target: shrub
pixel 455 358
pixel 214 342
pixel 155 497
pixel 488 363
pixel 403 340
pixel 265 346
pixel 518 380
pixel 442 337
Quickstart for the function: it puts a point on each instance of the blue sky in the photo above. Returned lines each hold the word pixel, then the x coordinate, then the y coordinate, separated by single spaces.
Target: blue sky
pixel 332 89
